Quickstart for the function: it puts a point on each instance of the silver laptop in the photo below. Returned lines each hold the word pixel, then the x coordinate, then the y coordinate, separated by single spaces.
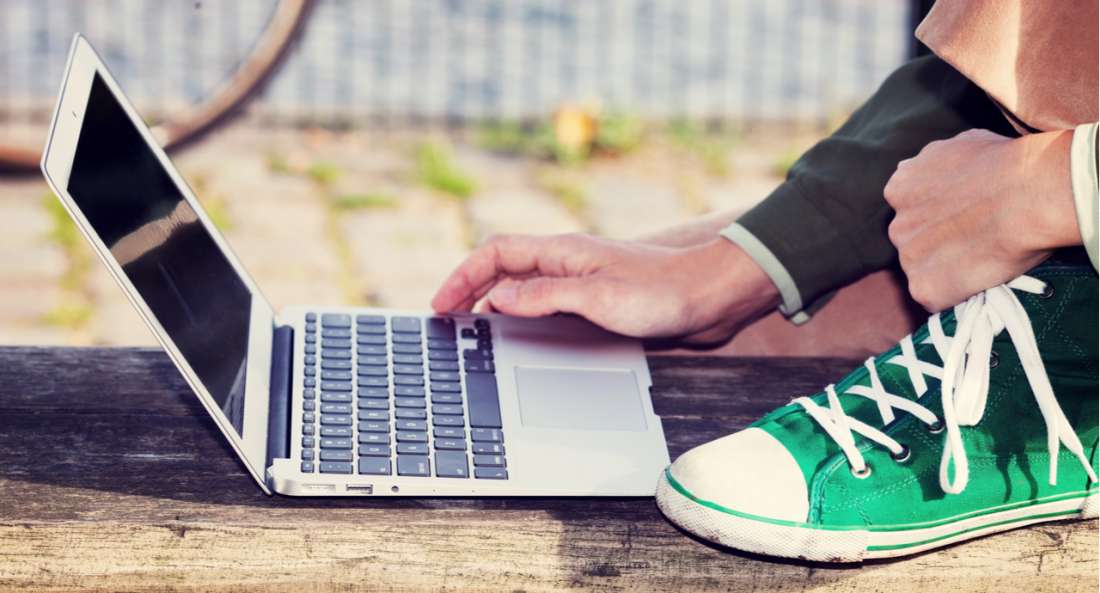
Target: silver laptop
pixel 341 401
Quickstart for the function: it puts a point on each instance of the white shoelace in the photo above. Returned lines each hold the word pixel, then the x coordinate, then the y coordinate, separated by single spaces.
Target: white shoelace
pixel 964 386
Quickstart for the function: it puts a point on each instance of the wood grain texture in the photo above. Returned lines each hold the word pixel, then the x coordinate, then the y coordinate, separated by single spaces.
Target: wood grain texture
pixel 113 479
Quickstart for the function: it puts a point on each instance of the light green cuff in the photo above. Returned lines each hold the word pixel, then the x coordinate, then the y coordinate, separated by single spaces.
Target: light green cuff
pixel 1086 188
pixel 791 306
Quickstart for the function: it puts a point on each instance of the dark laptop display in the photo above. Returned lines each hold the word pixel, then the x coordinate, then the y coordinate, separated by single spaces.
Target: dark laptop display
pixel 158 240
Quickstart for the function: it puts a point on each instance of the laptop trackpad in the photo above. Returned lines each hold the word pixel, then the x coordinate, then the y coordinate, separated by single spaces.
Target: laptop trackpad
pixel 579 399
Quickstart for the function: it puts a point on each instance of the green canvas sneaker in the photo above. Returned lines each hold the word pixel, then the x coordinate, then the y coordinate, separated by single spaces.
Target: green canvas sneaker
pixel 983 420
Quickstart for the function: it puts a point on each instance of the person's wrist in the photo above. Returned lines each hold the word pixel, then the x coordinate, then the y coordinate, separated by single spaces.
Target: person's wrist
pixel 1040 215
pixel 732 286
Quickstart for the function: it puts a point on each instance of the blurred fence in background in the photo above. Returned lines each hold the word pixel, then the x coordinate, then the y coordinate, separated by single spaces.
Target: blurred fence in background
pixel 408 61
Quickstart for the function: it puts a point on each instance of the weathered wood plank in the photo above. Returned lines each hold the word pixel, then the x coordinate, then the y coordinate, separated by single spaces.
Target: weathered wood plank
pixel 113 479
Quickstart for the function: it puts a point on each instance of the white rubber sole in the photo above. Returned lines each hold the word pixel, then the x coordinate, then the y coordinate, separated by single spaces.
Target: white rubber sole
pixel 802 541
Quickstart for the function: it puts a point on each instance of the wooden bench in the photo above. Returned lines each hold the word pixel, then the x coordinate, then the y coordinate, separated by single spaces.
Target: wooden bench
pixel 114 479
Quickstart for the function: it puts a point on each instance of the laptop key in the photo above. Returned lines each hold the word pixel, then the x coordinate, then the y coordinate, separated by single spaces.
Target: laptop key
pixel 374 392
pixel 488 449
pixel 488 435
pixel 336 333
pixel 439 397
pixel 335 386
pixel 405 325
pixel 374 450
pixel 443 376
pixel 307 467
pixel 451 464
pixel 449 432
pixel 374 415
pixel 330 443
pixel 311 339
pixel 408 369
pixel 375 426
pixel 335 320
pixel 442 355
pixel 371 350
pixel 472 354
pixel 446 409
pixel 370 320
pixel 374 404
pixel 336 408
pixel 374 466
pixel 336 376
pixel 412 437
pixel 335 397
pixel 335 431
pixel 335 343
pixel 411 425
pixel 336 420
pixel 480 366
pixel 445 387
pixel 413 465
pixel 409 402
pixel 448 421
pixel 335 467
pixel 449 444
pixel 335 353
pixel 373 360
pixel 440 327
pixel 374 381
pixel 482 323
pixel 489 461
pixel 412 448
pixel 407 349
pixel 311 317
pixel 408 380
pixel 307 454
pixel 410 413
pixel 482 400
pixel 415 359
pixel 371 340
pixel 311 349
pixel 490 473
pixel 377 330
pixel 309 393
pixel 443 365
pixel 409 391
pixel 309 405
pixel 373 371
pixel 335 455
pixel 406 338
pixel 374 438
pixel 308 417
pixel 310 371
pixel 442 345
pixel 308 442
pixel 308 429
pixel 336 365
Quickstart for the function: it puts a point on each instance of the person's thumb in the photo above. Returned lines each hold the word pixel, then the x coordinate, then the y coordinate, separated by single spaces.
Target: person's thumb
pixel 540 296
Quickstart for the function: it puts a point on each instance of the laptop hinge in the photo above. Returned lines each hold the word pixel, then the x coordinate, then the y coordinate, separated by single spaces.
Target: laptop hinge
pixel 278 417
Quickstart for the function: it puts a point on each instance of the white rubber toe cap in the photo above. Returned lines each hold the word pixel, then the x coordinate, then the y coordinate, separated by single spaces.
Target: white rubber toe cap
pixel 749 472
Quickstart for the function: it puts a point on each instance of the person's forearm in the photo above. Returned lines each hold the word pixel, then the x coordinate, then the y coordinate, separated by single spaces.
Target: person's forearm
pixel 696 232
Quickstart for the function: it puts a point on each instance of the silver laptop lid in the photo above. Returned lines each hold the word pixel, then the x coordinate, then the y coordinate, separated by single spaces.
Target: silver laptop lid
pixel 149 229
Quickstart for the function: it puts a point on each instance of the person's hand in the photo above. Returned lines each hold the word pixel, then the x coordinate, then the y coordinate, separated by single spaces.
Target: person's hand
pixel 978 210
pixel 702 293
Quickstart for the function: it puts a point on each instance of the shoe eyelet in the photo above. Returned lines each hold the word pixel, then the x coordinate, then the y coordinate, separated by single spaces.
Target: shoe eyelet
pixel 903 455
pixel 994 359
pixel 862 474
pixel 936 427
pixel 1048 292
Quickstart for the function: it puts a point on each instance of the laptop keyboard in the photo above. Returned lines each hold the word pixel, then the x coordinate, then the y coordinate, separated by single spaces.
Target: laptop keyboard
pixel 385 396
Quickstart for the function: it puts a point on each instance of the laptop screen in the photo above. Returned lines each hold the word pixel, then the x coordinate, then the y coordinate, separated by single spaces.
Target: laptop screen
pixel 157 239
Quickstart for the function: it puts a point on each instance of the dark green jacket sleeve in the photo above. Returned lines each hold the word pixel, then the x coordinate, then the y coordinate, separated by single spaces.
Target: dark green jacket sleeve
pixel 826 224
